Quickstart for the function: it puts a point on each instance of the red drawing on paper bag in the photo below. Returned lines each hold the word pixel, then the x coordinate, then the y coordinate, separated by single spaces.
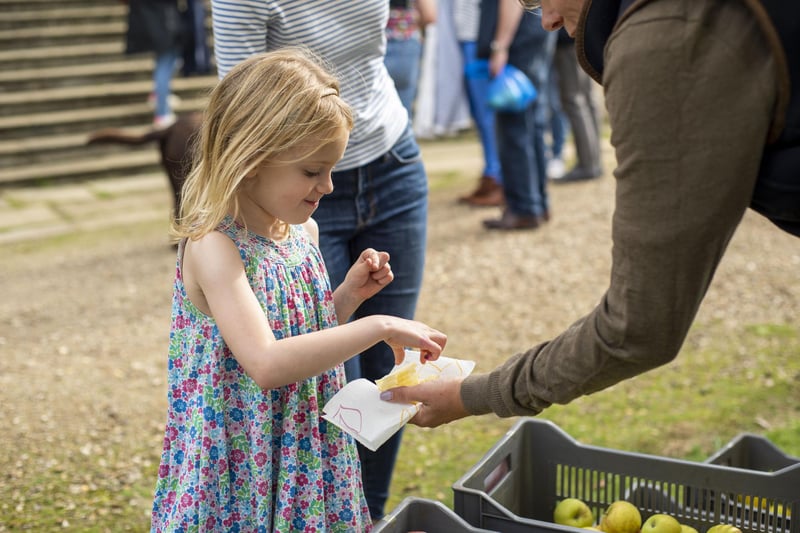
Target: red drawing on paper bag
pixel 349 417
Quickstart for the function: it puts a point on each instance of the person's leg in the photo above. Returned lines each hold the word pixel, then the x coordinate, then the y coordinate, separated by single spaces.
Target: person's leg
pixel 382 205
pixel 577 108
pixel 489 191
pixel 477 95
pixel 517 156
pixel 162 79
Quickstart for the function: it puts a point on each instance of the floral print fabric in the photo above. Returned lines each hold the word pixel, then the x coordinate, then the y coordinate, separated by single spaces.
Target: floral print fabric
pixel 239 458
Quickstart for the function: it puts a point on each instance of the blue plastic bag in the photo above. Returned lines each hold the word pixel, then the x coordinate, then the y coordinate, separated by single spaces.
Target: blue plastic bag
pixel 511 91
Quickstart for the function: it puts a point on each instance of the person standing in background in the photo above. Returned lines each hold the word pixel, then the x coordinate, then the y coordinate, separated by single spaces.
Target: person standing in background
pixel 575 89
pixel 509 35
pixel 404 34
pixel 196 54
pixel 156 26
pixel 489 192
pixel 380 196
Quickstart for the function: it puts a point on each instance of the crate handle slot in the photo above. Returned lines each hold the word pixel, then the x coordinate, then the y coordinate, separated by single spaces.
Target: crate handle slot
pixel 497 474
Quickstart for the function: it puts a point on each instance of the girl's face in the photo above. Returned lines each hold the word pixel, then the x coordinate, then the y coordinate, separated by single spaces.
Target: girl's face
pixel 290 192
pixel 558 13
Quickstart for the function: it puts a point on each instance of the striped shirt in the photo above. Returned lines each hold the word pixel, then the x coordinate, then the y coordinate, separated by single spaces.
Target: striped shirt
pixel 349 35
pixel 467 17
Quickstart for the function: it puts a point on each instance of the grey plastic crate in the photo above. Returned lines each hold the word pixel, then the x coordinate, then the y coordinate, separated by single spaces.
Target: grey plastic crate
pixel 516 485
pixel 752 452
pixel 418 514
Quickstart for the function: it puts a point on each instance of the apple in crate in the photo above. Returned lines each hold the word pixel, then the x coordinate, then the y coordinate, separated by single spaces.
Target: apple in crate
pixel 723 528
pixel 661 523
pixel 573 512
pixel 621 517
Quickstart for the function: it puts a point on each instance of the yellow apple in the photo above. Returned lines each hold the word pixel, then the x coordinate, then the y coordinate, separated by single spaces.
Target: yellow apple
pixel 688 529
pixel 621 517
pixel 573 512
pixel 661 523
pixel 723 528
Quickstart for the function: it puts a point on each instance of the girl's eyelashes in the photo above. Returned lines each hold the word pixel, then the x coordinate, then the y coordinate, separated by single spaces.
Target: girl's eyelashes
pixel 311 173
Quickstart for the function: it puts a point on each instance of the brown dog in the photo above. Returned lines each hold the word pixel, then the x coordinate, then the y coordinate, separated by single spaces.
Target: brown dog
pixel 174 142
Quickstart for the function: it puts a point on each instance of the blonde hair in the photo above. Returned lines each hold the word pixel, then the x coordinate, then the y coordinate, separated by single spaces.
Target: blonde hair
pixel 265 106
pixel 530 5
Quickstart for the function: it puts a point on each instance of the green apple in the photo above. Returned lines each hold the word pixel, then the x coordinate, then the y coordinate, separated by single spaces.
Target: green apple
pixel 573 512
pixel 688 529
pixel 621 517
pixel 661 523
pixel 723 528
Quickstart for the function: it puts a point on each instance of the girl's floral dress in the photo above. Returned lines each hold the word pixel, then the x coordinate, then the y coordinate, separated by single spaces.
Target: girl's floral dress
pixel 240 458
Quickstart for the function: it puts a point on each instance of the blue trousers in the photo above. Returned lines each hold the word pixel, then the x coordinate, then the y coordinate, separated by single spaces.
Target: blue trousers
pixel 162 79
pixel 383 205
pixel 483 115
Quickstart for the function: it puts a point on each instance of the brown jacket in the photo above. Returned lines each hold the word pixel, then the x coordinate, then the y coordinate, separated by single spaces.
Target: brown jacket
pixel 690 88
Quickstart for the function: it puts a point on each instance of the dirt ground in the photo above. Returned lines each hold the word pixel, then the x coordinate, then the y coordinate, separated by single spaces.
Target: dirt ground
pixel 84 321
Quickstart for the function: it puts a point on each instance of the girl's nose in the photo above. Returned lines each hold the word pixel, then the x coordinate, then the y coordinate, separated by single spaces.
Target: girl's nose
pixel 325 185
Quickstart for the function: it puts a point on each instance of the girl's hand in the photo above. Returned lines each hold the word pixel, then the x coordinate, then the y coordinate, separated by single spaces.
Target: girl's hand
pixel 369 274
pixel 412 334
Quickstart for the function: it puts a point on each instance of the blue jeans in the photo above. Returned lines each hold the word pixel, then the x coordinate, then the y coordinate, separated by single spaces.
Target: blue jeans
pixel 483 115
pixel 402 60
pixel 520 137
pixel 162 78
pixel 383 205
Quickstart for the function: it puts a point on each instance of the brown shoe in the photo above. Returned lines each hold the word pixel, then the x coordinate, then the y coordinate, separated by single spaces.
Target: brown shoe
pixel 485 186
pixel 494 197
pixel 510 221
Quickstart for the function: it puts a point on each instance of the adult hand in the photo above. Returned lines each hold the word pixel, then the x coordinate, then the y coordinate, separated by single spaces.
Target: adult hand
pixel 440 399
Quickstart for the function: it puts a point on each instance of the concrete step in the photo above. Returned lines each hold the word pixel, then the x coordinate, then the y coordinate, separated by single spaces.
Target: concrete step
pixel 22 126
pixel 132 162
pixel 64 74
pixel 139 67
pixel 57 35
pixel 7 6
pixel 67 54
pixel 22 110
pixel 62 14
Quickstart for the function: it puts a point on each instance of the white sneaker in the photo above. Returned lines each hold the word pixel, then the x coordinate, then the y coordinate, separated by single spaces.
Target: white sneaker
pixel 164 121
pixel 173 99
pixel 555 168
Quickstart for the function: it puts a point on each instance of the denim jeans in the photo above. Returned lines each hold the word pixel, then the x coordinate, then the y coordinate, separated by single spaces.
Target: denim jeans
pixel 483 115
pixel 520 137
pixel 383 205
pixel 162 78
pixel 402 60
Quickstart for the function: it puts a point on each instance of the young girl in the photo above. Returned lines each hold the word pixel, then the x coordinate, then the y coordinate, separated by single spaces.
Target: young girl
pixel 255 349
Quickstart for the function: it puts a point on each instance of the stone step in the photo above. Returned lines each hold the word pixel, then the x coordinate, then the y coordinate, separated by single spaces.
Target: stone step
pixel 62 14
pixel 38 105
pixel 132 162
pixel 64 74
pixel 139 67
pixel 22 126
pixel 7 6
pixel 57 35
pixel 67 54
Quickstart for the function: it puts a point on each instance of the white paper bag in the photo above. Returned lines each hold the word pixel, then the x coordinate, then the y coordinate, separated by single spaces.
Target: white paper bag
pixel 358 409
